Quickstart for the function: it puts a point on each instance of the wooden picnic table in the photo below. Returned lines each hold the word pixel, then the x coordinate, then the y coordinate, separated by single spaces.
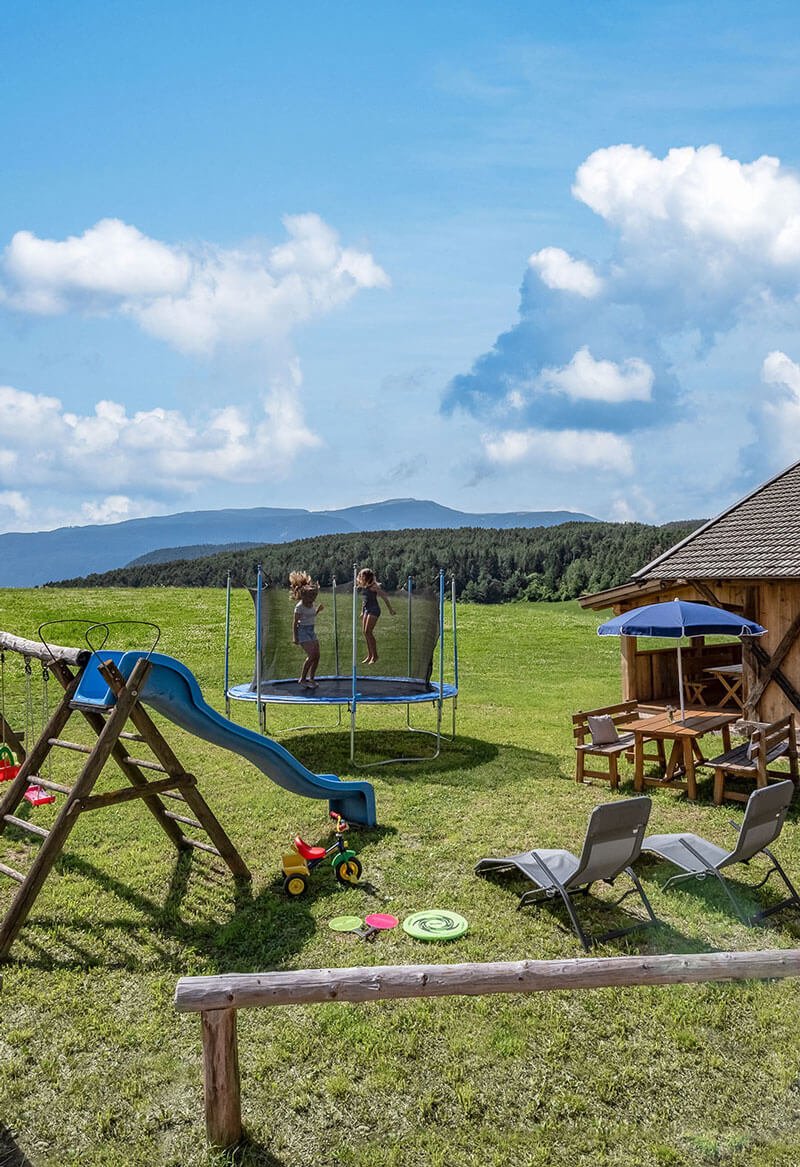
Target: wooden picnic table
pixel 731 678
pixel 685 750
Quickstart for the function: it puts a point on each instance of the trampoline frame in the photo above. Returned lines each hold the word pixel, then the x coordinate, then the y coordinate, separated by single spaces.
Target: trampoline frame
pixel 439 693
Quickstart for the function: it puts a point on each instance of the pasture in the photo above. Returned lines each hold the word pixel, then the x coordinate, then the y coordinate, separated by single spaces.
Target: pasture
pixel 97 1068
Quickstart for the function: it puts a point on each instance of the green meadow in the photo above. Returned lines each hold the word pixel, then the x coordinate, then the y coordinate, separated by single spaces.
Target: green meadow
pixel 97 1068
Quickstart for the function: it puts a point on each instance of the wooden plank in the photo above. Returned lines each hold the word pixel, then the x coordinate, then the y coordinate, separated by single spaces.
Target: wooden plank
pixel 391 982
pixel 129 793
pixel 48 653
pixel 26 825
pixel 775 660
pixel 221 1081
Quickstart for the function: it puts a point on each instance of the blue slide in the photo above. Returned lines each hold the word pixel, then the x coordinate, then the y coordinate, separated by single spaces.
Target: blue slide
pixel 172 690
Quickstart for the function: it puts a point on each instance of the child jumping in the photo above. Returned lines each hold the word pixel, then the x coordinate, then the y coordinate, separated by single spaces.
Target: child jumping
pixel 305 592
pixel 370 589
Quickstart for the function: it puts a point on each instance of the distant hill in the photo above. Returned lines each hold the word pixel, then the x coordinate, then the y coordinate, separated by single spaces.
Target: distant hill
pixel 199 551
pixel 488 565
pixel 28 559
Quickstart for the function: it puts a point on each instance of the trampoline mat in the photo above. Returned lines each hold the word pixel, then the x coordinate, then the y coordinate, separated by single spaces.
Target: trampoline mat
pixel 339 690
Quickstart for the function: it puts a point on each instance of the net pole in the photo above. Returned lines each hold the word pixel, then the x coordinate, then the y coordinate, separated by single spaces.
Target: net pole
pixel 335 631
pixel 455 647
pixel 259 705
pixel 227 643
pixel 441 657
pixel 354 663
pixel 410 590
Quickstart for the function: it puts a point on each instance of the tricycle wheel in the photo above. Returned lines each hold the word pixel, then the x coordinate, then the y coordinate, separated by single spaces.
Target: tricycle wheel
pixel 349 871
pixel 295 885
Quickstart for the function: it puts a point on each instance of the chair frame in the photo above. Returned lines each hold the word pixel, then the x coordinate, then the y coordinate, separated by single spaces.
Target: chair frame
pixel 550 887
pixel 729 860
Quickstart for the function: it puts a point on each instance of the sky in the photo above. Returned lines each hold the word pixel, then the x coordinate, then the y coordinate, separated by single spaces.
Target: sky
pixel 505 257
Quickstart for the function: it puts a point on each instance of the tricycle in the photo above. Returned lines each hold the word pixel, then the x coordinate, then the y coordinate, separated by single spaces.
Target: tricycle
pixel 298 863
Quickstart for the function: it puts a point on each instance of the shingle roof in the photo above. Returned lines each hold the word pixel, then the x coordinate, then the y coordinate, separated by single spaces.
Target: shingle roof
pixel 757 537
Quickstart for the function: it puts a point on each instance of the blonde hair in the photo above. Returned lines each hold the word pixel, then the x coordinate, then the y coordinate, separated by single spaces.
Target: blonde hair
pixel 365 578
pixel 303 587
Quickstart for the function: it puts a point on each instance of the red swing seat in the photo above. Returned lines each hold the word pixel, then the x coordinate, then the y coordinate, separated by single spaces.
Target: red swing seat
pixel 38 796
pixel 307 851
pixel 8 771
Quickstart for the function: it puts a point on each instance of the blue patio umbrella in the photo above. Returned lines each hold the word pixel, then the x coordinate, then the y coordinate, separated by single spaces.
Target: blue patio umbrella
pixel 678 618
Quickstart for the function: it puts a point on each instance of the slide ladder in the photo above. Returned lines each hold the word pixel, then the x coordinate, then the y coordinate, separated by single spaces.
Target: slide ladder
pixel 154 779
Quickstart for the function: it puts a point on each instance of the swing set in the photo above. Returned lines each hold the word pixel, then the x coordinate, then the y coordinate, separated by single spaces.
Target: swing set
pixel 25 763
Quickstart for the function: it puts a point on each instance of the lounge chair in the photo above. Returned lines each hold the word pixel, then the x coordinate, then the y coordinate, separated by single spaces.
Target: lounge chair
pixel 613 841
pixel 698 859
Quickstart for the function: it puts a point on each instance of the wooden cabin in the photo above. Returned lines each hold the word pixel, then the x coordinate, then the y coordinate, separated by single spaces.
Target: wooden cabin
pixel 746 560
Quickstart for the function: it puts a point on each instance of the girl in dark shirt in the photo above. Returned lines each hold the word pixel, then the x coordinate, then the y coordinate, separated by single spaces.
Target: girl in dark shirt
pixel 370 590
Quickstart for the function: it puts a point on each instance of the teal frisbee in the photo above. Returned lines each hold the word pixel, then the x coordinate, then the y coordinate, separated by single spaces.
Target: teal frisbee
pixel 434 924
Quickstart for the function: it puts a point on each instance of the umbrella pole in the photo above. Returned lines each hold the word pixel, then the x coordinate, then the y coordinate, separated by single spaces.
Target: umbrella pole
pixel 680 682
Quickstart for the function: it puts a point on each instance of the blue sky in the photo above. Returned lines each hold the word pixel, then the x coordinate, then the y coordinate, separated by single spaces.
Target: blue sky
pixel 503 256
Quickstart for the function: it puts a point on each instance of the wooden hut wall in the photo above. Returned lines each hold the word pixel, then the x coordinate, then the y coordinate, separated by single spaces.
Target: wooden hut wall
pixel 650 674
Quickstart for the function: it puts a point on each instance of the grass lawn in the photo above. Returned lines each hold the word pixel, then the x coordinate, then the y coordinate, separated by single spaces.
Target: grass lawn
pixel 96 1067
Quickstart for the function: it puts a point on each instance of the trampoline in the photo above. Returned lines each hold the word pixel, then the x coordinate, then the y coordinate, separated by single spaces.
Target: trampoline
pixel 416 649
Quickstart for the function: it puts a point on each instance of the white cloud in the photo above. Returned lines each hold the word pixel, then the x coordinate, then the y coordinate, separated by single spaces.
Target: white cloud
pixel 561 450
pixel 163 449
pixel 585 378
pixel 700 198
pixel 778 413
pixel 558 270
pixel 195 298
pixel 111 261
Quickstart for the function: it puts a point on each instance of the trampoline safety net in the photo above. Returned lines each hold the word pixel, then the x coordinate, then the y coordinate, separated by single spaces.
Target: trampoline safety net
pixel 406 644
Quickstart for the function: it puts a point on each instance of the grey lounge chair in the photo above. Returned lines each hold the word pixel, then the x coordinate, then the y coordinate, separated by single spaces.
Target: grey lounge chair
pixel 613 841
pixel 762 823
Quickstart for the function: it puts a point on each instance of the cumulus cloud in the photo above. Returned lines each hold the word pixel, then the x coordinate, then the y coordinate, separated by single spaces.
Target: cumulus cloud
pixel 584 378
pixel 195 298
pixel 777 413
pixel 700 245
pixel 563 450
pixel 560 271
pixel 57 449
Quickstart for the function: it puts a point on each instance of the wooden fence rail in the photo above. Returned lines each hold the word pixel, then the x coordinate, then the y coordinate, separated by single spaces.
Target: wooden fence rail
pixel 218 998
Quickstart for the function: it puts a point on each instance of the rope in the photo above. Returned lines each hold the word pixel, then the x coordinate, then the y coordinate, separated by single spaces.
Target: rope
pixel 3 693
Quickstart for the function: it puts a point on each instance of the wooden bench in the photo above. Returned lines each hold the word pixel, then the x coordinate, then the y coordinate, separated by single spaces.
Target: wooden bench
pixel 753 759
pixel 585 747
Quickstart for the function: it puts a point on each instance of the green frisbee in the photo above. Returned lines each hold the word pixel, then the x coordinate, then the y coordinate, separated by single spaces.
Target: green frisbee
pixel 434 924
pixel 345 923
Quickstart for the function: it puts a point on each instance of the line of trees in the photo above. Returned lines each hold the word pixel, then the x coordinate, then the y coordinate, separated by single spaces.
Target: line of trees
pixel 489 566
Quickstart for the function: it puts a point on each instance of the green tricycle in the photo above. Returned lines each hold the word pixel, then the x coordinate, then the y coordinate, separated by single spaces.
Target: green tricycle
pixel 298 863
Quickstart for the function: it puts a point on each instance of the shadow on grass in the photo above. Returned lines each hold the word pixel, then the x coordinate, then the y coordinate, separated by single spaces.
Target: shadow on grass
pixel 466 762
pixel 257 931
pixel 599 914
pixel 12 1156
pixel 747 898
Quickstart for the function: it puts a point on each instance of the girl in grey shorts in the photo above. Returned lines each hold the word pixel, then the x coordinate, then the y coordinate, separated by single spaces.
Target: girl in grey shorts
pixel 305 592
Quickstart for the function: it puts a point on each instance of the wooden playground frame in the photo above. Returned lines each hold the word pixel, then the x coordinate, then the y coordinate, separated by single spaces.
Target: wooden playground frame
pixel 110 725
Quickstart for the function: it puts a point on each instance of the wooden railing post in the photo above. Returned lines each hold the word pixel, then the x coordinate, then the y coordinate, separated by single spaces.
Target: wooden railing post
pixel 223 1100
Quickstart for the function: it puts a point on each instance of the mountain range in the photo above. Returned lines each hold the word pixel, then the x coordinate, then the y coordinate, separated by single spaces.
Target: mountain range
pixel 31 558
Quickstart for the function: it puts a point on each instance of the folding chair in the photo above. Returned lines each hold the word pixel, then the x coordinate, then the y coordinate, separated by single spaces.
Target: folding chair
pixel 613 841
pixel 698 858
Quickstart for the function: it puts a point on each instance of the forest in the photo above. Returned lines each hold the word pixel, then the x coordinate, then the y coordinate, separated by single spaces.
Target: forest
pixel 489 566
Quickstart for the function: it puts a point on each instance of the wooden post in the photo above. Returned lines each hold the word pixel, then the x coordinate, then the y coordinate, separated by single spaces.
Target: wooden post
pixel 630 687
pixel 223 1103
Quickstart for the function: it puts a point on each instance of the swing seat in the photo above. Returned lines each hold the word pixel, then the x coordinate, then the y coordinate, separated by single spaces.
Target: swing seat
pixel 307 851
pixel 37 796
pixel 8 772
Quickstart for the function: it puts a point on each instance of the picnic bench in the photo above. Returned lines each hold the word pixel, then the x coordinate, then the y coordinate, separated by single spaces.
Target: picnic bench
pixel 588 744
pixel 753 759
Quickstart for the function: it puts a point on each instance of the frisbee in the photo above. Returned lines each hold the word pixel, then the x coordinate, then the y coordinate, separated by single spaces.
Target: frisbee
pixel 434 924
pixel 345 923
pixel 381 921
